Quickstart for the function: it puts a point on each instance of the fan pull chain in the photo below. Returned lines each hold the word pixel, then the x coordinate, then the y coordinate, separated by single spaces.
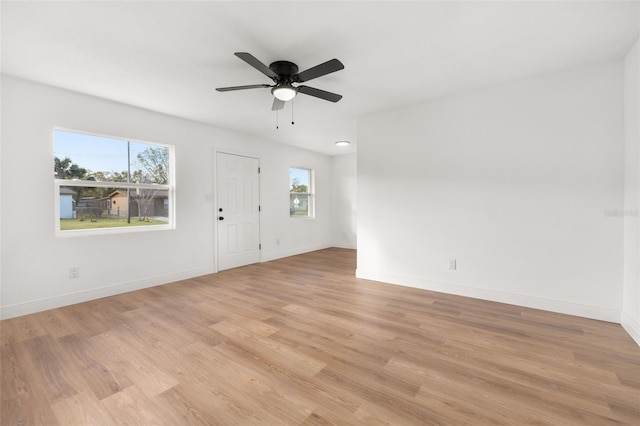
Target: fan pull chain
pixel 277 120
pixel 292 123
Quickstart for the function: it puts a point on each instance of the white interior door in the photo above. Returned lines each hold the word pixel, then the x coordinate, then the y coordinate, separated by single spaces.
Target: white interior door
pixel 238 215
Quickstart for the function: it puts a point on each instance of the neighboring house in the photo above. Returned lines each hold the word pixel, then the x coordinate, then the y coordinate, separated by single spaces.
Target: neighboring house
pixel 118 204
pixel 152 202
pixel 67 203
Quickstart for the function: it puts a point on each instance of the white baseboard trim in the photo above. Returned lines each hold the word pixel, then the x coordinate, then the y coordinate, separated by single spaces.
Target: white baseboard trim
pixel 562 307
pixel 40 305
pixel 266 257
pixel 345 245
pixel 632 327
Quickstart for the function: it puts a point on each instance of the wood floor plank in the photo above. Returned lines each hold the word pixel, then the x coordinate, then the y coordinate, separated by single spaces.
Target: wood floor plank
pixel 301 341
pixel 49 366
pixel 131 406
pixel 270 350
pixel 113 351
pixel 225 385
pixel 82 409
pixel 24 401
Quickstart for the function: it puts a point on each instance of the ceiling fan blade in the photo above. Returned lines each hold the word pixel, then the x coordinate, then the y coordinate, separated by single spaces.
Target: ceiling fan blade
pixel 277 104
pixel 322 94
pixel 254 62
pixel 251 86
pixel 318 71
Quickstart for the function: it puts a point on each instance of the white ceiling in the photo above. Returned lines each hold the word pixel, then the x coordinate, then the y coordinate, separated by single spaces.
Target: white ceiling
pixel 169 56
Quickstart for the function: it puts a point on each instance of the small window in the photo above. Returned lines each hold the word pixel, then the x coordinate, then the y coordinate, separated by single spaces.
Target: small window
pixel 106 183
pixel 300 192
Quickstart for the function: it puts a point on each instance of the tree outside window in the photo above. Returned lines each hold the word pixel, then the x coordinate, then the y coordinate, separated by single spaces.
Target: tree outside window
pixel 111 183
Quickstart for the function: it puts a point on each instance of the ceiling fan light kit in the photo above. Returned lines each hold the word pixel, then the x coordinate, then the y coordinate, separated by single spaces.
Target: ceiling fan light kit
pixel 284 92
pixel 284 74
pixel 342 144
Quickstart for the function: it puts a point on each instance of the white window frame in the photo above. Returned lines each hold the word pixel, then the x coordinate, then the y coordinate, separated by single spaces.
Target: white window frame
pixel 311 194
pixel 170 187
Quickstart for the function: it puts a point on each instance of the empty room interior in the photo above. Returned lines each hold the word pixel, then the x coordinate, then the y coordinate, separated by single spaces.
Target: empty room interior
pixel 311 213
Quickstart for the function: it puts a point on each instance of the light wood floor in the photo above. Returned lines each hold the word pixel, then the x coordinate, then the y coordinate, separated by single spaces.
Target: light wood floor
pixel 300 341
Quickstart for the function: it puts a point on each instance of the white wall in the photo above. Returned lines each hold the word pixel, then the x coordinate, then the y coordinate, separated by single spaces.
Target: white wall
pixel 344 200
pixel 35 273
pixel 284 236
pixel 511 181
pixel 631 304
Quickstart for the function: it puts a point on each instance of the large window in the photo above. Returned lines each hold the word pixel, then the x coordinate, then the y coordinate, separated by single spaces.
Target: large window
pixel 300 192
pixel 103 184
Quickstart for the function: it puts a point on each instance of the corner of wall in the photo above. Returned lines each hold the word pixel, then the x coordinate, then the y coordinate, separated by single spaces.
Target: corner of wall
pixel 344 201
pixel 631 326
pixel 631 282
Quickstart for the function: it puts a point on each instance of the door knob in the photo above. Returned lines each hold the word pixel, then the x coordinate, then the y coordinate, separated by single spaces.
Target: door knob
pixel 220 218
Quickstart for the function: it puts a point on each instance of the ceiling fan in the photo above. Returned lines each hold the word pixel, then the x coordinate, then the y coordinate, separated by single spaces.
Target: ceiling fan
pixel 284 74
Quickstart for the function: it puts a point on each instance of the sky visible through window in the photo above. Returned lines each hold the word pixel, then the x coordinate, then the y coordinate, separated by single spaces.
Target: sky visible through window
pixel 301 174
pixel 95 153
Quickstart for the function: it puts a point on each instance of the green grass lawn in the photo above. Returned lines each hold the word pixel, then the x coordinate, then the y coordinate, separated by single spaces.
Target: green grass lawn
pixel 73 224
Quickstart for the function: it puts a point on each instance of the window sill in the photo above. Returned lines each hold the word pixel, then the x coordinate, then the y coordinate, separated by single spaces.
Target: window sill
pixel 112 231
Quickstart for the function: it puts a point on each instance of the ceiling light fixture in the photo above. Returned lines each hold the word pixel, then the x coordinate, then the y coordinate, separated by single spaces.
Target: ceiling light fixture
pixel 342 143
pixel 284 92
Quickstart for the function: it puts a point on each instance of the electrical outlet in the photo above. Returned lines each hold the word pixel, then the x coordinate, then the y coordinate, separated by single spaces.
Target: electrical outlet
pixel 74 272
pixel 452 264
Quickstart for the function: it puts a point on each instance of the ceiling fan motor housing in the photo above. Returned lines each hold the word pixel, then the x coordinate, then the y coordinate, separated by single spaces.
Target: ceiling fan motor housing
pixel 285 70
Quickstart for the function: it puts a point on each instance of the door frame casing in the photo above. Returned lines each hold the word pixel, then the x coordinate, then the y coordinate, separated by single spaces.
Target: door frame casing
pixel 216 236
